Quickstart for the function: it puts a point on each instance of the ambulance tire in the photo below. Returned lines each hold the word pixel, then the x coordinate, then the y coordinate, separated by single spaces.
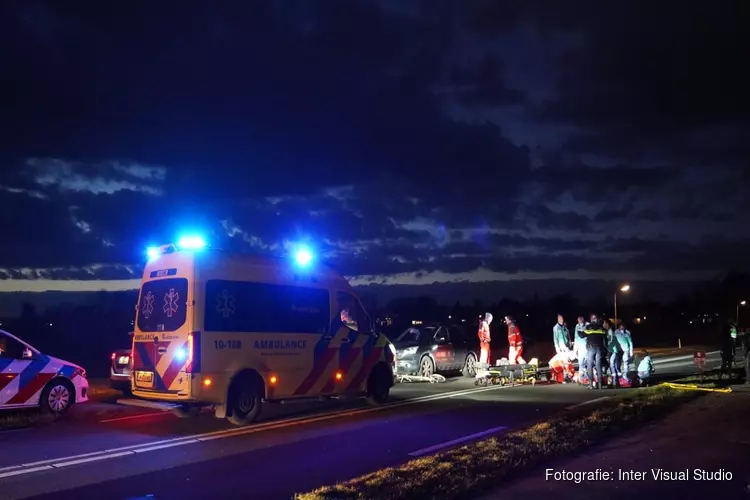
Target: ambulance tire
pixel 379 385
pixel 60 390
pixel 245 399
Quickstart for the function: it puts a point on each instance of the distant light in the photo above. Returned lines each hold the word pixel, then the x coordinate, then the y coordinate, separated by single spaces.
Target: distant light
pixel 191 243
pixel 625 288
pixel 303 257
pixel 743 302
pixel 152 252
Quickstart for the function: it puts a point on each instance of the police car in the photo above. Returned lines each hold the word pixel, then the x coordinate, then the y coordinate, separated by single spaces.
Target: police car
pixel 29 378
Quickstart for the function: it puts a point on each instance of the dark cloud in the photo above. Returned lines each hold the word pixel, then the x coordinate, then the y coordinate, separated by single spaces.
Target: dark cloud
pixel 460 140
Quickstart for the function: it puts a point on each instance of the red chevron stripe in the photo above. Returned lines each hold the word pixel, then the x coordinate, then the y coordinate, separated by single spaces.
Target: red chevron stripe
pixel 365 370
pixel 348 361
pixel 173 369
pixel 317 371
pixel 6 379
pixel 31 388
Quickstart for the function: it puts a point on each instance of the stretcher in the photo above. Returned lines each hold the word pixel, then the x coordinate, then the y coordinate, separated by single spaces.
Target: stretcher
pixel 505 373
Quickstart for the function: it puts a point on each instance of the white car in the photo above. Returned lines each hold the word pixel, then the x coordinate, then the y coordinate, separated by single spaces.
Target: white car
pixel 29 378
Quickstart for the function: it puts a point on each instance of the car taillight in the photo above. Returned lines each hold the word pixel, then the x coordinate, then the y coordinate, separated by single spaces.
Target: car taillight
pixel 114 355
pixel 193 364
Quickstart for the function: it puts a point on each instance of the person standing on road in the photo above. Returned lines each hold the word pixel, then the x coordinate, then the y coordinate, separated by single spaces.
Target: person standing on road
pixel 727 351
pixel 625 341
pixel 615 355
pixel 484 339
pixel 515 342
pixel 579 344
pixel 595 336
pixel 560 336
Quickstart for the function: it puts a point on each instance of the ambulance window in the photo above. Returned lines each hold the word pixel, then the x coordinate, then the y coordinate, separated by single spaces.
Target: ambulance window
pixel 162 306
pixel 239 306
pixel 351 308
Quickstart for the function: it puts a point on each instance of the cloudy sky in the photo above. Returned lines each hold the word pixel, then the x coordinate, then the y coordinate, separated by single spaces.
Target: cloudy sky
pixel 409 142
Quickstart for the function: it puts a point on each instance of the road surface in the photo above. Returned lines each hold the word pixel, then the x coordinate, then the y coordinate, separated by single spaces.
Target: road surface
pixel 113 452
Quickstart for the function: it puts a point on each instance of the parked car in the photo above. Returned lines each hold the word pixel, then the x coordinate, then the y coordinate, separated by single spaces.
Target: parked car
pixel 429 349
pixel 119 370
pixel 29 378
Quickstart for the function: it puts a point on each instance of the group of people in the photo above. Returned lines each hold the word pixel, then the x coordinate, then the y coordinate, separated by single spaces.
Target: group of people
pixel 515 340
pixel 592 344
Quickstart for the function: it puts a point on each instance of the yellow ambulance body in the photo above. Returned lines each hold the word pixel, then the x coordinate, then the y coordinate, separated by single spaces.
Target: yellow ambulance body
pixel 232 331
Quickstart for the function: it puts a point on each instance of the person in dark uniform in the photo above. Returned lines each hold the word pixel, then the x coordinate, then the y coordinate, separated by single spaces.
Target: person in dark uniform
pixel 746 353
pixel 596 337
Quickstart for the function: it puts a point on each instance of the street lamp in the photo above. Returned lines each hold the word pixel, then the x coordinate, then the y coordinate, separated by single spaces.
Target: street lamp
pixel 737 321
pixel 624 289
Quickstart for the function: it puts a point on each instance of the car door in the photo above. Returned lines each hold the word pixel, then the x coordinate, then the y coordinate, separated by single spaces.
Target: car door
pixel 460 346
pixel 354 341
pixel 21 379
pixel 443 351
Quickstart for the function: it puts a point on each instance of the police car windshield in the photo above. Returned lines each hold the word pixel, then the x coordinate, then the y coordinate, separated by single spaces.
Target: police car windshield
pixel 417 335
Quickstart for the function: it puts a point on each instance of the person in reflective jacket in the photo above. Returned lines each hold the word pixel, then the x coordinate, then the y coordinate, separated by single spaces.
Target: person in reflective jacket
pixel 485 338
pixel 645 368
pixel 560 336
pixel 746 353
pixel 595 336
pixel 515 342
pixel 615 355
pixel 625 341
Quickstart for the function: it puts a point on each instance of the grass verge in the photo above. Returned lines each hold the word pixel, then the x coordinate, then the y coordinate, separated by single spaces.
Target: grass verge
pixel 469 470
pixel 23 419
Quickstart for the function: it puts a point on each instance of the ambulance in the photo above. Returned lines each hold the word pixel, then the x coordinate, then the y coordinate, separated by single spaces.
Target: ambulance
pixel 233 331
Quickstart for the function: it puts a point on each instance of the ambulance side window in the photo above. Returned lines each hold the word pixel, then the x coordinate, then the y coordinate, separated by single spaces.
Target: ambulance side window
pixel 351 307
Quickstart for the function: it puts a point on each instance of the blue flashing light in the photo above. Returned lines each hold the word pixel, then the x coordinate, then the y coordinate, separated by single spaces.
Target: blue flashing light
pixel 303 257
pixel 180 354
pixel 191 243
pixel 152 252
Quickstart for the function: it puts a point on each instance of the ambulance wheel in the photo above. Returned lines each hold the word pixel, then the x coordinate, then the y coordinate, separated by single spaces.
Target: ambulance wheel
pixel 57 397
pixel 245 400
pixel 379 385
pixel 470 366
pixel 186 411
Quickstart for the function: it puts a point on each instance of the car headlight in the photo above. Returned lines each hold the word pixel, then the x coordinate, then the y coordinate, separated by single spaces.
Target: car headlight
pixel 409 351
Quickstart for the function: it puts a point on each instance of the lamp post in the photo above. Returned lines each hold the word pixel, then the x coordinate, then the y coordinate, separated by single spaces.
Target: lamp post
pixel 737 320
pixel 624 289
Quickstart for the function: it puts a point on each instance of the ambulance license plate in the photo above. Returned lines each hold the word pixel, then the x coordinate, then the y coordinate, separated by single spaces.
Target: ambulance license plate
pixel 144 379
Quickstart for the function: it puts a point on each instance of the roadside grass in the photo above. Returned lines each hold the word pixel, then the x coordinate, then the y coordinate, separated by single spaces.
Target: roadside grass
pixel 100 390
pixel 712 379
pixel 472 469
pixel 13 420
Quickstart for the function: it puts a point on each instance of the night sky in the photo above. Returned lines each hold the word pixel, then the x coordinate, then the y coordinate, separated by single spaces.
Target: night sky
pixel 406 142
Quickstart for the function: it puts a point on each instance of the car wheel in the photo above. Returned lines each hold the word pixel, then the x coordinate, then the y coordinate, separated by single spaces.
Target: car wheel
pixel 57 397
pixel 470 367
pixel 186 411
pixel 426 367
pixel 378 386
pixel 245 401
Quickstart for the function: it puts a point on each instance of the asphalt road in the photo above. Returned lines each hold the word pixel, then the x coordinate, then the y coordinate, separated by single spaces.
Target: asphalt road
pixel 106 451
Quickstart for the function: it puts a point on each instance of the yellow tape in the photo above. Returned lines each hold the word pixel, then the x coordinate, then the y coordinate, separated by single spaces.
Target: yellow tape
pixel 693 387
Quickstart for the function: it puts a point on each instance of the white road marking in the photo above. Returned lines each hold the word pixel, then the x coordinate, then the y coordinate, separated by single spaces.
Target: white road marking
pixel 454 442
pixel 588 402
pixel 56 463
pixel 132 417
